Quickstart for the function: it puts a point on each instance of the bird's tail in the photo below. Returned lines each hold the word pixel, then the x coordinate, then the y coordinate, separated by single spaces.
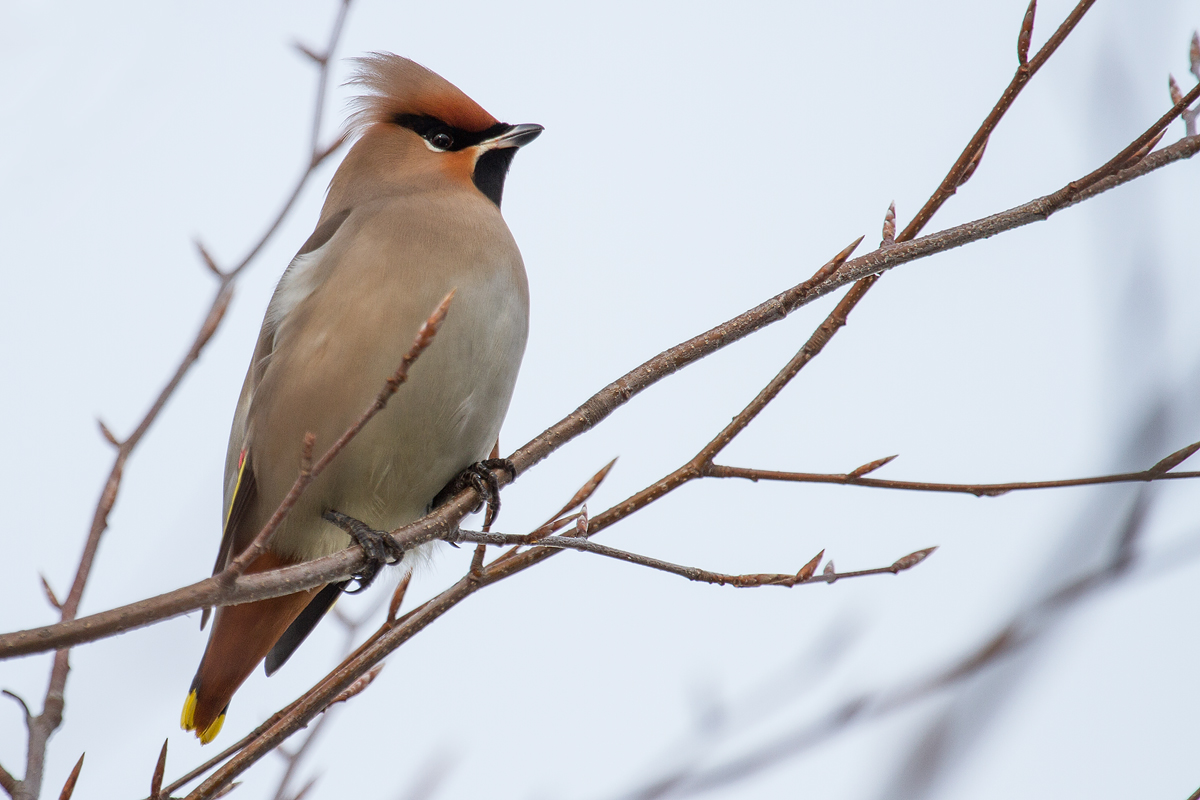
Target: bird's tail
pixel 241 637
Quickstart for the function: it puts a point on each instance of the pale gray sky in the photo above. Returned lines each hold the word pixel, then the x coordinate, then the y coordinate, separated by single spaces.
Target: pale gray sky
pixel 698 158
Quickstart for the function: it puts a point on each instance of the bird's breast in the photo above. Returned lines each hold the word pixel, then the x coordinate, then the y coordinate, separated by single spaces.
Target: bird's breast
pixel 355 312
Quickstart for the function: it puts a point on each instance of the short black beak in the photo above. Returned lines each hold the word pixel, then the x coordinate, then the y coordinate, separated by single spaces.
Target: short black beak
pixel 516 136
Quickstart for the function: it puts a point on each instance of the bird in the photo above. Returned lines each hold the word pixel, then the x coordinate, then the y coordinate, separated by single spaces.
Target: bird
pixel 411 214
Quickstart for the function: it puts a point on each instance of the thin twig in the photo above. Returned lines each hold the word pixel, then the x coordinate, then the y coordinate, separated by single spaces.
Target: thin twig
pixel 1025 71
pixel 1158 472
pixel 49 720
pixel 340 566
pixel 1019 632
pixel 424 338
pixel 746 581
pixel 392 638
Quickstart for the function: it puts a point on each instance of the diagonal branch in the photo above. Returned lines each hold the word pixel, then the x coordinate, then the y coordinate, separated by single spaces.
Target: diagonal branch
pixel 44 724
pixel 340 566
pixel 310 472
pixel 965 166
pixel 583 419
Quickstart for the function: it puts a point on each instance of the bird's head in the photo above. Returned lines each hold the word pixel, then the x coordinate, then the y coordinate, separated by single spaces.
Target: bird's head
pixel 416 127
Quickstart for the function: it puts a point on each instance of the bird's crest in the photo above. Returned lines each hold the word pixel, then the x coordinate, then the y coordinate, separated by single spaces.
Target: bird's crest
pixel 397 85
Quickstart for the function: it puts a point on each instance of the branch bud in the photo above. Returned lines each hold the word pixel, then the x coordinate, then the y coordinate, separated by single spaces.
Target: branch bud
pixel 1174 460
pixel 973 164
pixel 808 570
pixel 69 787
pixel 911 560
pixel 50 593
pixel 1026 35
pixel 398 597
pixel 357 687
pixel 889 226
pixel 1194 55
pixel 1173 87
pixel 1143 151
pixel 107 434
pixel 160 769
pixel 319 59
pixel 869 467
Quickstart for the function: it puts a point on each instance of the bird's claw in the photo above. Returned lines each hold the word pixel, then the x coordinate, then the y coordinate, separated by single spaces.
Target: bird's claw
pixel 480 477
pixel 378 547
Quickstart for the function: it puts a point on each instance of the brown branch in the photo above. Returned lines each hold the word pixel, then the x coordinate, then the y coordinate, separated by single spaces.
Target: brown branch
pixel 393 635
pixel 340 566
pixel 295 758
pixel 621 391
pixel 7 782
pixel 601 405
pixel 44 724
pixel 1159 472
pixel 1021 631
pixel 958 173
pixel 746 581
pixel 585 418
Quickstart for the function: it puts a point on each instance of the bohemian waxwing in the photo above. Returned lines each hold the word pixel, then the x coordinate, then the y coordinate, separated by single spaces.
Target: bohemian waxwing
pixel 412 213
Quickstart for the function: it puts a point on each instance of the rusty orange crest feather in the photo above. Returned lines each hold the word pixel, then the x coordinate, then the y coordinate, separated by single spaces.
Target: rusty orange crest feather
pixel 396 85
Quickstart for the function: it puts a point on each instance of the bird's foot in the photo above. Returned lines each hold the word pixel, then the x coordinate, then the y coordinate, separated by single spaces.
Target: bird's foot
pixel 377 546
pixel 480 477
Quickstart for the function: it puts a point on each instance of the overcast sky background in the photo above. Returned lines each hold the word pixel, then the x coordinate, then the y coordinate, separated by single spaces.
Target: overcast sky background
pixel 698 158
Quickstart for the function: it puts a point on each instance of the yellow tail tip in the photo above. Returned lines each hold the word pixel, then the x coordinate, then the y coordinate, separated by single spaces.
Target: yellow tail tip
pixel 211 731
pixel 187 720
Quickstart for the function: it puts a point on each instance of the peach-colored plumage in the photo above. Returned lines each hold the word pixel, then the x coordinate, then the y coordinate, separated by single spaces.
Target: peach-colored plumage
pixel 410 215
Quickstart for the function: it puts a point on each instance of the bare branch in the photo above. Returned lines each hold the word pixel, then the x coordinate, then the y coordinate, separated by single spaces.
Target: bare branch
pixel 1158 472
pixel 954 178
pixel 340 566
pixel 44 725
pixel 21 702
pixel 8 783
pixel 803 575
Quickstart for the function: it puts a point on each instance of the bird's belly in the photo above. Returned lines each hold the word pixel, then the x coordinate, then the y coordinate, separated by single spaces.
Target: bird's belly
pixel 445 417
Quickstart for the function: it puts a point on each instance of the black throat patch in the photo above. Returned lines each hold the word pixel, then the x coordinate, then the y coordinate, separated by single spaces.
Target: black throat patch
pixel 490 168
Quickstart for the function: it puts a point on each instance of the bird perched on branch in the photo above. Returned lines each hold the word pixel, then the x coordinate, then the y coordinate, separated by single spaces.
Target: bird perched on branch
pixel 412 214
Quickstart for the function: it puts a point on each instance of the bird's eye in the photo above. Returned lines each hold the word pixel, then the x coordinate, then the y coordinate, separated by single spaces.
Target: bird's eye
pixel 442 140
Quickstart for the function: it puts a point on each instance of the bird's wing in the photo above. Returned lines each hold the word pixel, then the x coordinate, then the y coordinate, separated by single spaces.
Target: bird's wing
pixel 298 280
pixel 302 626
pixel 241 486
